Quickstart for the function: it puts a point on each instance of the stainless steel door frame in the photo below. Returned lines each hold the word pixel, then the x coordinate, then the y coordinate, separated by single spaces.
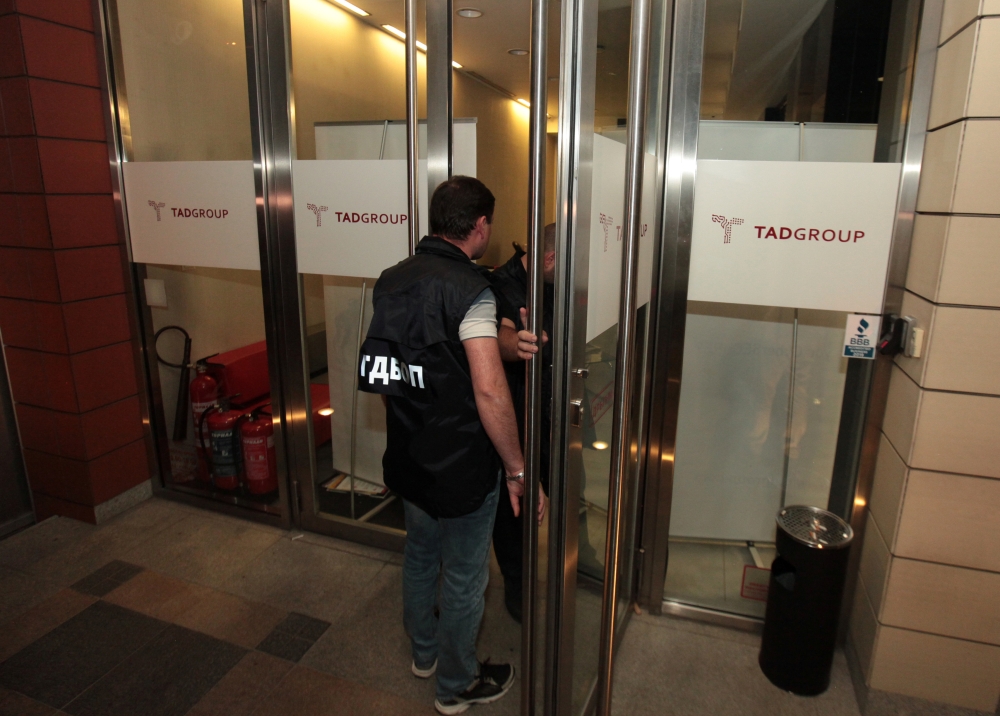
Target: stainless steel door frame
pixel 668 308
pixel 577 69
pixel 538 125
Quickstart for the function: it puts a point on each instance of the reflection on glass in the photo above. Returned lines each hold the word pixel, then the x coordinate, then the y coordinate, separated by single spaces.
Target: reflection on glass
pixel 184 98
pixel 348 77
pixel 763 386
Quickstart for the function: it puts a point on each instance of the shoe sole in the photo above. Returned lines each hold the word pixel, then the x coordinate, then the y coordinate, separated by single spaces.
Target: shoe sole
pixel 466 705
pixel 423 673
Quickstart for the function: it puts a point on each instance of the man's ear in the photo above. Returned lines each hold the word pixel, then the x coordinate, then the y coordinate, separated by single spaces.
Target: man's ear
pixel 550 258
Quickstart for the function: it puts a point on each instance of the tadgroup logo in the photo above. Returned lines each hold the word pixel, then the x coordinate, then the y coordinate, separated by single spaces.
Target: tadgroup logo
pixel 318 211
pixel 181 212
pixel 784 233
pixel 157 205
pixel 727 226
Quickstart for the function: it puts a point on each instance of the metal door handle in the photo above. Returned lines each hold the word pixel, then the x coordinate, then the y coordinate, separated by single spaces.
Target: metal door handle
pixel 576 413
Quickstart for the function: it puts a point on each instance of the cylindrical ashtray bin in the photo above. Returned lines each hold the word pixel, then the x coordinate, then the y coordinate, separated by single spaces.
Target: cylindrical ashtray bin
pixel 803 599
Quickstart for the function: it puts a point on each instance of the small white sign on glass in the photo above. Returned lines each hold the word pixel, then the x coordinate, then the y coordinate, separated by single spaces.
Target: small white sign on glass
pixel 861 336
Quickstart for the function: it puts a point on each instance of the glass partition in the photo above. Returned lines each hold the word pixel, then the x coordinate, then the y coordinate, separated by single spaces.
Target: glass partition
pixel 181 81
pixel 350 193
pixel 763 384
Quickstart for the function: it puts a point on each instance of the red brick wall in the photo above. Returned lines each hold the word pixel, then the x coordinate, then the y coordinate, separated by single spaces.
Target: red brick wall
pixel 63 314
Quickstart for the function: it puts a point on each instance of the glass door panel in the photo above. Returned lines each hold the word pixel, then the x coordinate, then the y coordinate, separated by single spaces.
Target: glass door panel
pixel 594 225
pixel 350 194
pixel 184 108
pixel 763 385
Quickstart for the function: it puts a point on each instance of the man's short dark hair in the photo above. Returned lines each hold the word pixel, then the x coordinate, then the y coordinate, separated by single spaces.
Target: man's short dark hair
pixel 549 238
pixel 457 205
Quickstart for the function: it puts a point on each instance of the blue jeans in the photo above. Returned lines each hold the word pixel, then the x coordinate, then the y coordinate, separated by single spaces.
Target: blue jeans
pixel 458 547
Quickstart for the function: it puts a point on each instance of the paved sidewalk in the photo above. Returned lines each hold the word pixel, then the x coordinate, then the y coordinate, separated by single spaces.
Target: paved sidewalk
pixel 169 610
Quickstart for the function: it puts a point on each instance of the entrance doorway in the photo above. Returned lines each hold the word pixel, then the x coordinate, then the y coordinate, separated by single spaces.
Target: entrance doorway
pixel 274 156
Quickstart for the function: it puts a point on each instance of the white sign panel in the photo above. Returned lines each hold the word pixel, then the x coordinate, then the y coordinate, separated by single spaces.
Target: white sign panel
pixel 861 336
pixel 351 215
pixel 607 211
pixel 193 213
pixel 796 234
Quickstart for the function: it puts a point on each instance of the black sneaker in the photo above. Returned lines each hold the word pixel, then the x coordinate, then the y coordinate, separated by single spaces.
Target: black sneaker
pixel 512 599
pixel 493 682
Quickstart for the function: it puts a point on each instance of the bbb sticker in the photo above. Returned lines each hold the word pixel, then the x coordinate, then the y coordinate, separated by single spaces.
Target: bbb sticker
pixel 861 335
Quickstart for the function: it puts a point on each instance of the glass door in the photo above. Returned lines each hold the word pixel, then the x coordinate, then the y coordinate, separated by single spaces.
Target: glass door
pixel 184 87
pixel 788 200
pixel 599 66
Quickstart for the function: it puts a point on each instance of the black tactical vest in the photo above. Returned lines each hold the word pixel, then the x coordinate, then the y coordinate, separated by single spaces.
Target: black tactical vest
pixel 438 454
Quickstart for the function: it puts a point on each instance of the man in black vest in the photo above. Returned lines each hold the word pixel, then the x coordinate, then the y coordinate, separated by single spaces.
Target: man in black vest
pixel 510 283
pixel 451 435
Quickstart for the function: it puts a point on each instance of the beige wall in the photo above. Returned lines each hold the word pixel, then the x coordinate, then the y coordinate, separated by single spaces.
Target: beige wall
pixel 185 75
pixel 926 619
pixel 344 70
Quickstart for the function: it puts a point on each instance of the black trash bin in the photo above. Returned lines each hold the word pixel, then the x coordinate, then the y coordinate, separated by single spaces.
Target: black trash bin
pixel 803 599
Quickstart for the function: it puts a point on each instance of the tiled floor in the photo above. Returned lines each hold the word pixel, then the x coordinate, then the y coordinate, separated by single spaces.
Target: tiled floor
pixel 169 610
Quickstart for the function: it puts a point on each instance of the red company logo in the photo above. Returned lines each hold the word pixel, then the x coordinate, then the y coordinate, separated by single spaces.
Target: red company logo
pixel 318 211
pixel 727 226
pixel 157 205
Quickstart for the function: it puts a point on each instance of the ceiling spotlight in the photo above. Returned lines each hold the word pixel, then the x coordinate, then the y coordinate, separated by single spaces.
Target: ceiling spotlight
pixel 517 52
pixel 353 8
pixel 600 445
pixel 524 103
pixel 469 12
pixel 325 412
pixel 456 65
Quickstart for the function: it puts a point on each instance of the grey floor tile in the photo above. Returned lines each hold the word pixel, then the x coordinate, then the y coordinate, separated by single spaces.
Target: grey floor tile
pixel 113 540
pixel 202 548
pixel 15 704
pixel 301 577
pixel 367 643
pixel 107 578
pixel 676 672
pixel 57 667
pixel 362 550
pixel 20 592
pixel 166 677
pixel 242 690
pixel 26 549
pixel 285 646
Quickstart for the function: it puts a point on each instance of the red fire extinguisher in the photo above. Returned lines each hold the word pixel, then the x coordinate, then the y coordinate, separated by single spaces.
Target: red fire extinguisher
pixel 226 457
pixel 204 393
pixel 259 463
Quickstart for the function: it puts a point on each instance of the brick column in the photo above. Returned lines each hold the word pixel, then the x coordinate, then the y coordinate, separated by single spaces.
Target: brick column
pixel 925 627
pixel 63 315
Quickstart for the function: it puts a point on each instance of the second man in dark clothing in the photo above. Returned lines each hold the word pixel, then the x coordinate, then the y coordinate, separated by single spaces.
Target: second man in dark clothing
pixel 510 284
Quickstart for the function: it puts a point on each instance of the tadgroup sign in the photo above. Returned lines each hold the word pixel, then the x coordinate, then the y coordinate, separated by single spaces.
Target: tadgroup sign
pixel 192 213
pixel 351 215
pixel 795 234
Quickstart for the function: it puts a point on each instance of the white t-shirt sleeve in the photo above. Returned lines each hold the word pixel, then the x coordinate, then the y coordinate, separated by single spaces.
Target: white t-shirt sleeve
pixel 481 319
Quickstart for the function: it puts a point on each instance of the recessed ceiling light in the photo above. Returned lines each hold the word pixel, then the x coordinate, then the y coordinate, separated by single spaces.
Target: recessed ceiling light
pixel 600 445
pixel 524 103
pixel 469 12
pixel 517 52
pixel 456 65
pixel 325 412
pixel 353 8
